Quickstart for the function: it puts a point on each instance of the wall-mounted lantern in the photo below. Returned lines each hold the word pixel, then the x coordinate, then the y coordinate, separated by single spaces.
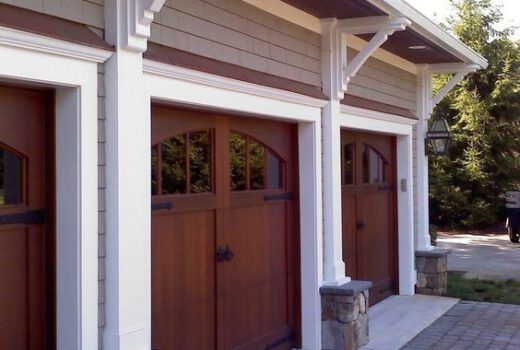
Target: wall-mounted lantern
pixel 439 136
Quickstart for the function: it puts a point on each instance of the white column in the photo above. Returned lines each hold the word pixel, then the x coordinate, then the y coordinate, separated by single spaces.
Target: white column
pixel 405 214
pixel 424 95
pixel 333 265
pixel 309 146
pixel 128 265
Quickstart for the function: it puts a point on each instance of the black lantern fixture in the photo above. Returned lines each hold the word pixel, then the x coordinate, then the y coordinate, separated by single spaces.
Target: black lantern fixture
pixel 439 136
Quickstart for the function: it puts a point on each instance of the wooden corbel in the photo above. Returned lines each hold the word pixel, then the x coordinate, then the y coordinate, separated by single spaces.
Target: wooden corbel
pixel 381 26
pixel 459 71
pixel 141 14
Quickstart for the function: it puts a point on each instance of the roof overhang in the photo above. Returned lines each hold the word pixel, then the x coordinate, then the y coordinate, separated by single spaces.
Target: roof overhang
pixel 431 31
pixel 441 46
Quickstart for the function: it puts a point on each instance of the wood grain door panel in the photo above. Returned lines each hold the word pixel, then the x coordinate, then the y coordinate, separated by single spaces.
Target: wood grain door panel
pixel 244 302
pixel 26 258
pixel 369 211
pixel 183 281
pixel 256 289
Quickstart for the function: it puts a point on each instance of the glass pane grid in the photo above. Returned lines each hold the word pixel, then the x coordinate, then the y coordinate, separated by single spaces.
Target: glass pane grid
pixel 183 164
pixel 253 166
pixel 375 167
pixel 11 177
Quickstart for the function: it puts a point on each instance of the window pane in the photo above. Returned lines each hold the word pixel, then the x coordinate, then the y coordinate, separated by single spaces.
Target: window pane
pixel 237 161
pixel 374 166
pixel 173 153
pixel 11 178
pixel 256 165
pixel 274 168
pixel 155 189
pixel 349 164
pixel 200 161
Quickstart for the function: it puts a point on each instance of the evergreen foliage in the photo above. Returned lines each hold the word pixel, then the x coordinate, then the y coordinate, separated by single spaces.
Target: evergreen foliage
pixel 467 187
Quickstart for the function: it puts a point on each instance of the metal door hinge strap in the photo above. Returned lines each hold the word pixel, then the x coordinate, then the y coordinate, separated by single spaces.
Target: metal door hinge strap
pixel 27 217
pixel 162 205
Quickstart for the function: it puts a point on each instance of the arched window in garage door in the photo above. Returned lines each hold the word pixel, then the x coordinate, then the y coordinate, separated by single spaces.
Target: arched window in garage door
pixel 253 165
pixel 11 176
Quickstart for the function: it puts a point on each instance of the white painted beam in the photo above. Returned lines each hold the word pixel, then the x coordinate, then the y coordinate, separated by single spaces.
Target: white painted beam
pixel 366 25
pixel 440 68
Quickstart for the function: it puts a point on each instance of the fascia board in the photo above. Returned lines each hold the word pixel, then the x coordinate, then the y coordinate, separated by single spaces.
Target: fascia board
pixel 430 30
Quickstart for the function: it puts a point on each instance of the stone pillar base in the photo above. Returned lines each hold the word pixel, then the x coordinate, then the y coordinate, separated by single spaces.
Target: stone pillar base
pixel 432 272
pixel 344 316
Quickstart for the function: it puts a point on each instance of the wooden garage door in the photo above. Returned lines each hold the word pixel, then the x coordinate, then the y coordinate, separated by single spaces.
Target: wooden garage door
pixel 369 210
pixel 223 232
pixel 24 195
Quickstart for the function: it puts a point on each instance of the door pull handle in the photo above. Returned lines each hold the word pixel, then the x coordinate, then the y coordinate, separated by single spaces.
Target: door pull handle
pixel 228 254
pixel 360 225
pixel 221 254
pixel 224 254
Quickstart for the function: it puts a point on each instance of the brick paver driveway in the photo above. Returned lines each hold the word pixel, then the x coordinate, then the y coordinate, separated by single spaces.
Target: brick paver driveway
pixel 472 325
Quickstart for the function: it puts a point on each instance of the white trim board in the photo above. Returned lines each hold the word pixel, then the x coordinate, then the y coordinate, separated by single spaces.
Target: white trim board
pixel 360 122
pixel 17 38
pixel 194 76
pixel 189 86
pixel 216 93
pixel 430 30
pixel 402 128
pixel 75 81
pixel 345 109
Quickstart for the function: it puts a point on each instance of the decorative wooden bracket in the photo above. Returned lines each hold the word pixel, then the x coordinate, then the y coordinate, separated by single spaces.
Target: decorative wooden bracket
pixel 140 17
pixel 382 26
pixel 459 71
pixel 338 30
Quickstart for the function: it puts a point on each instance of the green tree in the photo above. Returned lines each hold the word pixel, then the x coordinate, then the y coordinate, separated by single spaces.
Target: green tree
pixel 467 187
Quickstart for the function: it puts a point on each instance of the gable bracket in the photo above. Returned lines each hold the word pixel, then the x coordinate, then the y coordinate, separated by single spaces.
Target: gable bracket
pixel 459 71
pixel 140 17
pixel 381 26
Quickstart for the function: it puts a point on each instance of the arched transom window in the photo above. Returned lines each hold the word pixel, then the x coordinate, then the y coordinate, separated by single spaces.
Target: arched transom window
pixel 183 164
pixel 253 165
pixel 375 166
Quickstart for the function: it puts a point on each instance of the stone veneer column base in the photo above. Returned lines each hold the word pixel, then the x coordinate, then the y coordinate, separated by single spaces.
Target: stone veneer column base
pixel 344 316
pixel 432 271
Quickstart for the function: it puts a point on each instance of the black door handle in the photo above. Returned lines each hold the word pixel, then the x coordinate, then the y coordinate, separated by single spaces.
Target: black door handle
pixel 221 254
pixel 224 254
pixel 360 225
pixel 228 254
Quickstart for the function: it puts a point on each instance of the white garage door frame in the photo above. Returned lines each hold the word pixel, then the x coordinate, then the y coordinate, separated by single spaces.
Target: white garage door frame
pixel 402 128
pixel 71 70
